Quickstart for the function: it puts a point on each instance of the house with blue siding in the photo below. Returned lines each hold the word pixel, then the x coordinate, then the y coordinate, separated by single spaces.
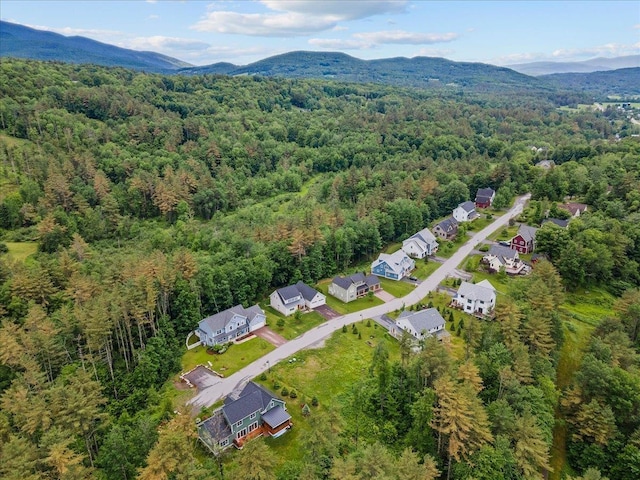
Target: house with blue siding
pixel 254 412
pixel 394 266
pixel 230 324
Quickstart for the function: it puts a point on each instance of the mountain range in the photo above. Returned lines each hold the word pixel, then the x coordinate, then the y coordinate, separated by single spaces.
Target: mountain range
pixel 423 72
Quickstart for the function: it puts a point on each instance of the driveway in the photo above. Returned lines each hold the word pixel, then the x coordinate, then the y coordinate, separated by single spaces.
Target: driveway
pixel 200 377
pixel 224 387
pixel 384 296
pixel 270 336
pixel 327 312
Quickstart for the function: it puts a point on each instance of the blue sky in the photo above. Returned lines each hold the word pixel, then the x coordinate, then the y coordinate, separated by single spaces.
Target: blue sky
pixel 205 32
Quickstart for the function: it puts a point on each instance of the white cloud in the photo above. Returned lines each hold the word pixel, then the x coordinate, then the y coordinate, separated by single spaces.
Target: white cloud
pixel 77 31
pixel 339 44
pixel 153 17
pixel 159 42
pixel 294 17
pixel 637 26
pixel 434 52
pixel 516 58
pixel 607 50
pixel 405 38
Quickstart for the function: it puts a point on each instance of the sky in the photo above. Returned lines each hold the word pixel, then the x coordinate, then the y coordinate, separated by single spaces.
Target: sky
pixel 203 32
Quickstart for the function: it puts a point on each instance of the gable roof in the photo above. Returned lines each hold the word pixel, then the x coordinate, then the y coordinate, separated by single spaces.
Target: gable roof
pixel 484 195
pixel 448 224
pixel 288 294
pixel 216 427
pixel 467 206
pixel 424 235
pixel 394 260
pixel 527 233
pixel 427 319
pixel 502 252
pixel 573 208
pixel 559 222
pixel 220 320
pixel 307 292
pixel 252 398
pixel 483 291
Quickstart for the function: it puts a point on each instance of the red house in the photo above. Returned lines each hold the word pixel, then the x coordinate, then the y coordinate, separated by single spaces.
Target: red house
pixel 484 197
pixel 525 240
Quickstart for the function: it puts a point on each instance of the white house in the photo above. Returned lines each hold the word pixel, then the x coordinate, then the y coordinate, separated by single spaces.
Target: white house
pixel 230 324
pixel 465 212
pixel 476 299
pixel 296 297
pixel 421 244
pixel 394 266
pixel 500 258
pixel 422 324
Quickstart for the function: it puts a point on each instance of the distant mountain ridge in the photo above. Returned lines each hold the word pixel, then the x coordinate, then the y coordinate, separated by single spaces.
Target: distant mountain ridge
pixel 421 72
pixel 587 66
pixel 25 42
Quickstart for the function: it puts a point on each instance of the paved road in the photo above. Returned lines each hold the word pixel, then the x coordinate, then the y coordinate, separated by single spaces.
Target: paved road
pixel 221 387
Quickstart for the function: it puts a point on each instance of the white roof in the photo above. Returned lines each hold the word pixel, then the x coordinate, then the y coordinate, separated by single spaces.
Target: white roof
pixel 394 260
pixel 483 291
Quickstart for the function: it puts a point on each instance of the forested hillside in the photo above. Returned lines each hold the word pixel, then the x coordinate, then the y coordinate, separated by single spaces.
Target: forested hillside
pixel 156 200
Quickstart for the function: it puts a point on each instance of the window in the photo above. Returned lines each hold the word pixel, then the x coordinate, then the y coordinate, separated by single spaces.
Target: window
pixel 224 442
pixel 239 424
pixel 253 426
pixel 253 415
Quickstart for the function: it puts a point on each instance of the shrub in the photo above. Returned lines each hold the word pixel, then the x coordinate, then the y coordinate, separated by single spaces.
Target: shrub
pixel 280 323
pixel 263 377
pixel 293 394
pixel 276 385
pixel 314 401
pixel 344 329
pixel 368 323
pixel 306 411
pixel 284 392
pixel 3 248
pixel 359 336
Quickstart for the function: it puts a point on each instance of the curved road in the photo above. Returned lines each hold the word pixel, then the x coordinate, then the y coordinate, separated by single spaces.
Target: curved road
pixel 219 388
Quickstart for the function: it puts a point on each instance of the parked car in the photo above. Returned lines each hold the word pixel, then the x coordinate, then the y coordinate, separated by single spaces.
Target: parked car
pixel 505 243
pixel 413 279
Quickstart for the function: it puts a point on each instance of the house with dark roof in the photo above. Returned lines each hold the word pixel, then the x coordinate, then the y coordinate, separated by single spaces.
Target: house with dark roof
pixel 575 209
pixel 255 412
pixel 226 326
pixel 421 244
pixel 506 259
pixel 484 197
pixel 465 212
pixel 556 221
pixel 476 299
pixel 525 239
pixel 447 229
pixel 288 300
pixel 354 286
pixel 394 266
pixel 422 324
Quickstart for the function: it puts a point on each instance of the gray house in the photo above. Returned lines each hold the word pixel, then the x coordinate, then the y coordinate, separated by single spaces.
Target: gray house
pixel 230 324
pixel 255 412
pixel 422 324
pixel 446 229
pixel 355 286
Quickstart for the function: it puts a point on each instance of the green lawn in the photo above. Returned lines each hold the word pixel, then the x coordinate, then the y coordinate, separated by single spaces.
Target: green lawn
pixel 19 251
pixel 393 247
pixel 324 373
pixel 344 308
pixel 292 328
pixel 504 233
pixel 395 288
pixel 423 270
pixel 588 306
pixel 236 357
pixel 479 223
pixel 447 248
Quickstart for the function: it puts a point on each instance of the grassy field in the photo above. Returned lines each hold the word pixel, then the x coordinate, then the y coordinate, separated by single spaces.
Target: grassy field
pixel 423 270
pixel 236 357
pixel 393 247
pixel 344 308
pixel 504 233
pixel 292 328
pixel 446 248
pixel 324 373
pixel 395 288
pixel 19 251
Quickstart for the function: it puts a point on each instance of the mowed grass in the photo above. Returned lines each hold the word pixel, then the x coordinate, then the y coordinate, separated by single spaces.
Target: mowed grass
pixel 236 357
pixel 19 251
pixel 423 270
pixel 504 234
pixel 326 374
pixel 396 288
pixel 292 328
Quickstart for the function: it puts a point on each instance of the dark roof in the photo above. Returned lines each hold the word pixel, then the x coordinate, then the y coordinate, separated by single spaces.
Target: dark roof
pixel 557 221
pixel 485 193
pixel 527 233
pixel 345 282
pixel 276 417
pixel 253 398
pixel 448 224
pixel 371 280
pixel 288 293
pixel 500 251
pixel 215 427
pixel 306 291
pixel 468 206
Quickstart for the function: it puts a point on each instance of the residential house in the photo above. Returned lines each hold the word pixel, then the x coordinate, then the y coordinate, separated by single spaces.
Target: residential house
pixel 546 164
pixel 446 229
pixel 477 299
pixel 394 266
pixel 423 323
pixel 484 197
pixel 500 258
pixel 465 212
pixel 255 412
pixel 230 324
pixel 355 286
pixel 575 209
pixel 557 221
pixel 300 296
pixel 421 244
pixel 525 240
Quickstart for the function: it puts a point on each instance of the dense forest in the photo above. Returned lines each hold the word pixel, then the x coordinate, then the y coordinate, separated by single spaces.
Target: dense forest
pixel 156 200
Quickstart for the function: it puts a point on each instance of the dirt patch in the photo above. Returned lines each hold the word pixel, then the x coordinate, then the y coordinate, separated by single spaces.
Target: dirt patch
pixel 327 312
pixel 180 386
